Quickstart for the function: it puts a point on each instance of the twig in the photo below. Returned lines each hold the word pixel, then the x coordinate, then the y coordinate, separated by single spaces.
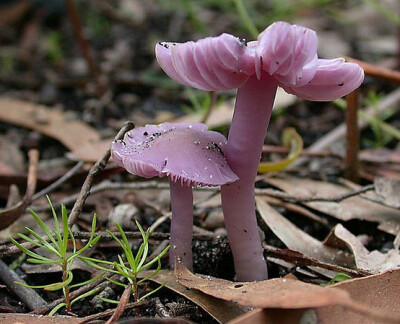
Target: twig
pixel 10 215
pixel 121 305
pixel 58 182
pixel 83 44
pixel 96 168
pixel 111 311
pixel 297 209
pixel 377 71
pixel 27 295
pixel 160 308
pixel 352 136
pixel 291 198
pixel 299 259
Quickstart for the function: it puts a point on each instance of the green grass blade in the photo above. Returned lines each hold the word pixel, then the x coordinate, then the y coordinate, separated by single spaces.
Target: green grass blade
pixel 57 225
pixel 36 261
pixel 96 266
pixel 46 245
pixel 55 309
pixel 153 274
pixel 44 227
pixel 152 292
pixel 60 285
pixel 116 282
pixel 127 249
pixel 111 301
pixel 32 287
pixel 157 258
pixel 87 246
pixel 87 282
pixel 64 215
pixel 28 252
pixel 87 294
pixel 73 240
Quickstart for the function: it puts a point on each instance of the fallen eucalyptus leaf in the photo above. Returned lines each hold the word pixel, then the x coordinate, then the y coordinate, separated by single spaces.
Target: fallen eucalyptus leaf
pixel 295 239
pixel 222 311
pixel 279 293
pixel 374 261
pixel 378 291
pixel 52 122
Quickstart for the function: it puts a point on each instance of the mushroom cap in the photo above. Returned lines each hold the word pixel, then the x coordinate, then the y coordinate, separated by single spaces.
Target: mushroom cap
pixel 185 152
pixel 212 63
pixel 287 52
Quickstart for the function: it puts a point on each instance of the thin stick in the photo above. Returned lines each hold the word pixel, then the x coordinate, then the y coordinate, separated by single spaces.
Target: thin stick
pixel 83 44
pixel 299 259
pixel 111 311
pixel 58 182
pixel 27 295
pixel 96 168
pixel 291 198
pixel 10 215
pixel 353 137
pixel 121 305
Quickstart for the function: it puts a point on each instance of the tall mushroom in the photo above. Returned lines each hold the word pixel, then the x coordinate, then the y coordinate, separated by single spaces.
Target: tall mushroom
pixel 189 155
pixel 285 55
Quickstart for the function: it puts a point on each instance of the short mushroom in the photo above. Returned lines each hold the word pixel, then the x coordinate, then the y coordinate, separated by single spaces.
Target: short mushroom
pixel 285 55
pixel 189 155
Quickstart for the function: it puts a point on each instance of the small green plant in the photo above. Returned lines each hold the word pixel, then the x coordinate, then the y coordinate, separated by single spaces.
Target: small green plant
pixel 57 245
pixel 133 265
pixel 339 277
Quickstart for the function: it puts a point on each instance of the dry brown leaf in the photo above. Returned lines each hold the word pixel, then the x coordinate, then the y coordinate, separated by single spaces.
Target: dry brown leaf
pixel 375 261
pixel 378 291
pixel 278 293
pixel 387 191
pixel 222 311
pixel 273 293
pixel 295 239
pixel 37 319
pixel 271 316
pixel 50 121
pixel 351 208
pixel 90 152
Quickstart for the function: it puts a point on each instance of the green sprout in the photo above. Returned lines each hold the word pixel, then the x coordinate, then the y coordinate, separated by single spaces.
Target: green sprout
pixel 339 277
pixel 133 265
pixel 57 245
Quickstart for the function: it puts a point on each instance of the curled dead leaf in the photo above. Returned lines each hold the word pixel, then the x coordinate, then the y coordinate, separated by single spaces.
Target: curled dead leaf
pixel 278 293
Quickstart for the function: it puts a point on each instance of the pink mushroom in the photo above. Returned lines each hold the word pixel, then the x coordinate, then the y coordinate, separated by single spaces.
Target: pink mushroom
pixel 189 155
pixel 285 55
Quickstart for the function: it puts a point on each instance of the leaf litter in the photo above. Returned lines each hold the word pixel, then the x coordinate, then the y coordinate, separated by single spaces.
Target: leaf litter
pixel 285 293
pixel 352 208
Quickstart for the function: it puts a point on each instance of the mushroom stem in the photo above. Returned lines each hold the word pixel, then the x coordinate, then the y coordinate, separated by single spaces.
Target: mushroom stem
pixel 181 224
pixel 253 109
